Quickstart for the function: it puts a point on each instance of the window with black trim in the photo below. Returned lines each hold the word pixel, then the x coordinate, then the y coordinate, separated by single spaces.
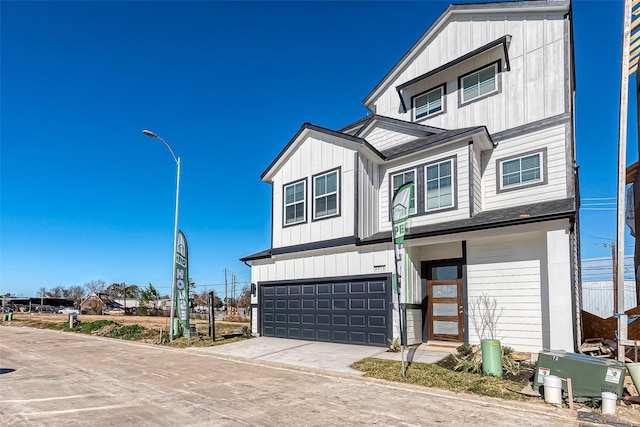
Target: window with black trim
pixel 479 83
pixel 398 180
pixel 428 103
pixel 439 185
pixel 326 194
pixel 522 171
pixel 295 202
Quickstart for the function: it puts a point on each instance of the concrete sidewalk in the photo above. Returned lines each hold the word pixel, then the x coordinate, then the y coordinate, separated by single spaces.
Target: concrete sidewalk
pixel 322 356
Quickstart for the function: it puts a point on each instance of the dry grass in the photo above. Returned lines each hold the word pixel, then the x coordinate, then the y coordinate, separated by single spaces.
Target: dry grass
pixel 432 375
pixel 151 328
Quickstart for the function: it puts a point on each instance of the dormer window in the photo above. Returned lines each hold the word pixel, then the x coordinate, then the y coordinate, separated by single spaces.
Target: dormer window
pixel 428 103
pixel 479 83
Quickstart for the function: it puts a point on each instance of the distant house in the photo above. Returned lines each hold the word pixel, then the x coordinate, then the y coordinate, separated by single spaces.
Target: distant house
pixel 96 303
pixel 478 114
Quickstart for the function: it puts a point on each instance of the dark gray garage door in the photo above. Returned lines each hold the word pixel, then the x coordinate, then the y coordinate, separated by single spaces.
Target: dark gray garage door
pixel 353 312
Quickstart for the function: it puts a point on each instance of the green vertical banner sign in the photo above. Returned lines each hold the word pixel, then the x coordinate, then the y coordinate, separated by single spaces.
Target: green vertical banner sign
pixel 182 281
pixel 400 210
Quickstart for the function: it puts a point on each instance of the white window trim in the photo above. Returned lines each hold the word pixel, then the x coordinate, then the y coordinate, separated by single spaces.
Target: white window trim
pixel 303 201
pixel 337 193
pixel 441 89
pixel 476 72
pixel 453 186
pixel 542 179
pixel 415 193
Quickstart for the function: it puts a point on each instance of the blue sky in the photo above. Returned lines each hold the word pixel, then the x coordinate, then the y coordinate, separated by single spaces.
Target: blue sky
pixel 85 195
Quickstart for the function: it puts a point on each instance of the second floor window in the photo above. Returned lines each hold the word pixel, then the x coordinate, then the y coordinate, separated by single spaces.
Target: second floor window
pixel 398 180
pixel 479 83
pixel 325 195
pixel 439 177
pixel 428 103
pixel 294 203
pixel 521 171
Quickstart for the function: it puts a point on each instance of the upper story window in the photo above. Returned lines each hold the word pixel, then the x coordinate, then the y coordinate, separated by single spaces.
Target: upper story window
pixel 326 194
pixel 522 171
pixel 479 83
pixel 439 179
pixel 398 180
pixel 295 202
pixel 428 103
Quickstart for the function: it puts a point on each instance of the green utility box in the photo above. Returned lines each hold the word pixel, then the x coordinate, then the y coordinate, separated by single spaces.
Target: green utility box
pixel 590 376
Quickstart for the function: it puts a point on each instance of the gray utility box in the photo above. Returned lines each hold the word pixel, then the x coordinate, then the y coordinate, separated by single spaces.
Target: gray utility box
pixel 590 376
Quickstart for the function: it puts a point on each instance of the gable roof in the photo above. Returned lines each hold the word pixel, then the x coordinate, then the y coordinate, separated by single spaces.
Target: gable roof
pixel 462 9
pixel 397 125
pixel 444 137
pixel 299 137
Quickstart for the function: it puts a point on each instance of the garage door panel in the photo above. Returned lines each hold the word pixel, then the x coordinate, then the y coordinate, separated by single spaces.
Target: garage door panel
pixel 340 288
pixel 378 339
pixel 323 304
pixel 357 303
pixel 339 304
pixel 294 304
pixel 377 287
pixel 323 289
pixel 358 320
pixel 339 320
pixel 358 337
pixel 345 312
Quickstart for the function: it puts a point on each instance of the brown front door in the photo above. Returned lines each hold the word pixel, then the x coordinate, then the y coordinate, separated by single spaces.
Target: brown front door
pixel 445 312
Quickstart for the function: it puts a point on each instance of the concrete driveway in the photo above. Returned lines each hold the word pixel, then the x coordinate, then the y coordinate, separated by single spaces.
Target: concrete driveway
pixel 49 378
pixel 321 356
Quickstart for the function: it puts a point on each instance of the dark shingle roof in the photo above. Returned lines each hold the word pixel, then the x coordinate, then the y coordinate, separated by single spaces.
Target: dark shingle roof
pixel 525 214
pixel 430 141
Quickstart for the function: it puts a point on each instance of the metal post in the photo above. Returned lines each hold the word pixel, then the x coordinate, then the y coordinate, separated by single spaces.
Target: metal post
pixel 175 252
pixel 175 232
pixel 622 167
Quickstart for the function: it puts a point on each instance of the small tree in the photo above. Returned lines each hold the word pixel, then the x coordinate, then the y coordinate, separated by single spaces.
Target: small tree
pixel 485 314
pixel 149 301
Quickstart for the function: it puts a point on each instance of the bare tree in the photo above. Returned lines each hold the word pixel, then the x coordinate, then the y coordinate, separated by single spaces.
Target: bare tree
pixel 244 300
pixel 485 314
pixel 75 293
pixel 97 286
pixel 57 292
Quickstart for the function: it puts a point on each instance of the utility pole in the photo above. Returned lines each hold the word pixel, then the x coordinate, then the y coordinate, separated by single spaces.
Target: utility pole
pixel 614 261
pixel 226 294
pixel 622 166
pixel 233 287
pixel 41 302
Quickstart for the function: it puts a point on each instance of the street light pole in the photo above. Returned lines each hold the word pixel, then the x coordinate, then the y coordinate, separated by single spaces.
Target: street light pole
pixel 175 232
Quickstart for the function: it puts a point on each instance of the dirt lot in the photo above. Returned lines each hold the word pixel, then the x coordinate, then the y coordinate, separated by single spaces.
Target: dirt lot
pixel 151 322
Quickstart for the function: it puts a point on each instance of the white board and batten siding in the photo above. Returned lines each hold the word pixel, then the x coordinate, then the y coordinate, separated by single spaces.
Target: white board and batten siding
pixel 368 204
pixel 552 140
pixel 312 157
pixel 323 264
pixel 461 185
pixel 536 54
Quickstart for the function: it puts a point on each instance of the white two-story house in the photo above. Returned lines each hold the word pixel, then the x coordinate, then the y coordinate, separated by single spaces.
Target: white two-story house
pixel 478 114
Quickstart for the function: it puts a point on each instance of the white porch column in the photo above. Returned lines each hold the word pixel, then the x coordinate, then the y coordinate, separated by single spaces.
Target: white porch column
pixel 560 296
